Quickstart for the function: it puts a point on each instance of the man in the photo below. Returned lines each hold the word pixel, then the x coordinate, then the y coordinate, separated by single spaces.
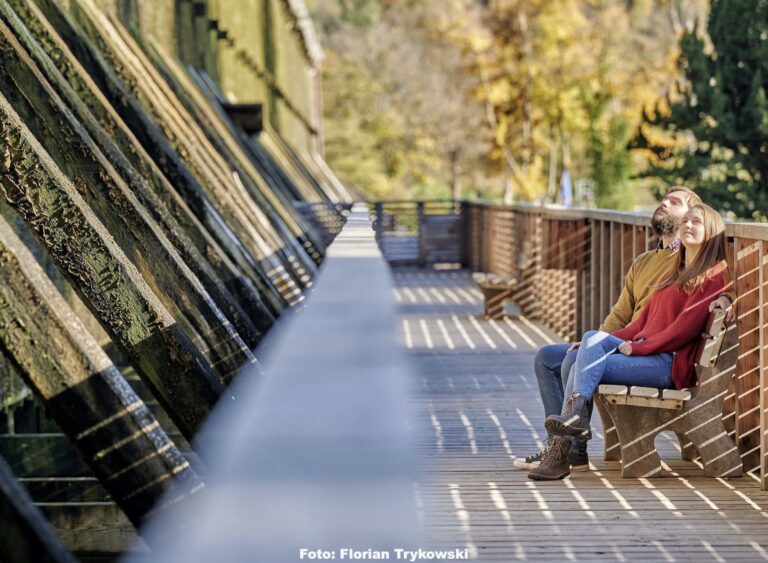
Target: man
pixel 553 363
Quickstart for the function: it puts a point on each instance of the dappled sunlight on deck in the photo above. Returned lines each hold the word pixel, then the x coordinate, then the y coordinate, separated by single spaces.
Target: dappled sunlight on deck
pixel 478 407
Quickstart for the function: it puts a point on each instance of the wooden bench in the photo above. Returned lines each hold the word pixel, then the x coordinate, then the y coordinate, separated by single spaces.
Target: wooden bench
pixel 632 417
pixel 496 289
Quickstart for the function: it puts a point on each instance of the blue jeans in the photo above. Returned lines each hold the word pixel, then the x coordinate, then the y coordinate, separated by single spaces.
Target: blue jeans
pixel 598 361
pixel 552 366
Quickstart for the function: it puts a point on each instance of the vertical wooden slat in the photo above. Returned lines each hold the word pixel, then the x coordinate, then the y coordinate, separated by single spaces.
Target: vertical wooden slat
pixel 729 405
pixel 606 247
pixel 594 282
pixel 463 210
pixel 627 252
pixel 763 375
pixel 748 366
pixel 585 266
pixel 748 374
pixel 640 244
pixel 617 251
pixel 421 232
pixel 613 260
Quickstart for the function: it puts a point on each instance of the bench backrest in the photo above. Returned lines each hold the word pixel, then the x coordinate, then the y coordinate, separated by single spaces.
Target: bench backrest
pixel 717 354
pixel 711 339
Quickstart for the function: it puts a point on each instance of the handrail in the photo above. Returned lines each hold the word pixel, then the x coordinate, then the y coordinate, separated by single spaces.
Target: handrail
pixel 316 453
pixel 749 229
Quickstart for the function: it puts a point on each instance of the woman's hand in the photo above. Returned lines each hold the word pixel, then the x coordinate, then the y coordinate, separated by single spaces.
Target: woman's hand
pixel 724 302
pixel 625 348
pixel 573 347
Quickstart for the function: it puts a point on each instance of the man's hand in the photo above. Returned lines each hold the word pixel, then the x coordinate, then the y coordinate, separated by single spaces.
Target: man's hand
pixel 625 348
pixel 725 304
pixel 573 347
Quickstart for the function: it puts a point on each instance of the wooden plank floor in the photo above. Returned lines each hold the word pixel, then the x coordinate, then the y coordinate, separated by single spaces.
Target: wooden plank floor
pixel 478 406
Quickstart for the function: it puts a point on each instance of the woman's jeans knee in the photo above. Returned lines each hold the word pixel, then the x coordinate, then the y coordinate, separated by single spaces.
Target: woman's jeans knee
pixel 550 364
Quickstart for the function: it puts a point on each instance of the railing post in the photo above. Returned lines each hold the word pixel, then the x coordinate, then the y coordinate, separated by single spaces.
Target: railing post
pixel 421 222
pixel 465 233
pixel 378 225
pixel 763 381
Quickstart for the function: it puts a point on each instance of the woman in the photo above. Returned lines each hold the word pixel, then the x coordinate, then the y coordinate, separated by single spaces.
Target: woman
pixel 657 349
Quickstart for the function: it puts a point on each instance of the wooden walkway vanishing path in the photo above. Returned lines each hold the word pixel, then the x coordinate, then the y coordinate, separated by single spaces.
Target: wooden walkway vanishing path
pixel 478 406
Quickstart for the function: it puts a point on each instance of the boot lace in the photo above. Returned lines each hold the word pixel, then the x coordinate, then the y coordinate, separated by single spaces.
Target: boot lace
pixel 554 454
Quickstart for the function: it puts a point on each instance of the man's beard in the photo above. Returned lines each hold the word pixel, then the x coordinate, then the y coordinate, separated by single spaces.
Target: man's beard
pixel 664 224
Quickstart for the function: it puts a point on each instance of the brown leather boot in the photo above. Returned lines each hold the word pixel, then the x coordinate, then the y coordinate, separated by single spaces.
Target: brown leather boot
pixel 554 463
pixel 574 421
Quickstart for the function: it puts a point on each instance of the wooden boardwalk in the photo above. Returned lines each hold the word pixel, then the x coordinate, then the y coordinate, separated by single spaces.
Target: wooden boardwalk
pixel 478 406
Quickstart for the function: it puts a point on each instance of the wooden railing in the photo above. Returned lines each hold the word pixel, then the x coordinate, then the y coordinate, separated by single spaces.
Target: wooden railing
pixel 571 266
pixel 317 451
pixel 420 232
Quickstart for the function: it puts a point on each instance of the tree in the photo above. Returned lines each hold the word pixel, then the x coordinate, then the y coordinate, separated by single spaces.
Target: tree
pixel 399 123
pixel 713 132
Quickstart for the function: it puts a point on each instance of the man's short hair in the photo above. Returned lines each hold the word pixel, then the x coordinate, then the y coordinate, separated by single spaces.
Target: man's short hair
pixel 690 196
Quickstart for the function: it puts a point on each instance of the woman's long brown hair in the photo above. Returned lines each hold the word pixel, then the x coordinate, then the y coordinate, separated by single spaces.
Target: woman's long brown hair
pixel 711 255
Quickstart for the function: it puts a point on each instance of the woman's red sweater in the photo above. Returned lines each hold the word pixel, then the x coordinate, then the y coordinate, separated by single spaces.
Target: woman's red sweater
pixel 673 322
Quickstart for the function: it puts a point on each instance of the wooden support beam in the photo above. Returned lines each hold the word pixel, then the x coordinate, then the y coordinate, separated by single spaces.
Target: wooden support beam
pixel 87 255
pixel 224 182
pixel 109 425
pixel 153 139
pixel 24 532
pixel 199 98
pixel 114 203
pixel 222 141
pixel 135 166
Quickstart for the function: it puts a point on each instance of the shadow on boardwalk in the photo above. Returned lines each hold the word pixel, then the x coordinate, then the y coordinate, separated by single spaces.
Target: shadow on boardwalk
pixel 478 407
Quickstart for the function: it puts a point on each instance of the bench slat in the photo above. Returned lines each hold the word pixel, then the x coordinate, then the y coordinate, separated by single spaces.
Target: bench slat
pixel 612 389
pixel 645 396
pixel 679 394
pixel 655 402
pixel 649 392
pixel 493 280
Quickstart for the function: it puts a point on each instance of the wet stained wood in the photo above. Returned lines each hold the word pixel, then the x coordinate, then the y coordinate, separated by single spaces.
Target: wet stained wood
pixel 109 425
pixel 103 277
pixel 224 183
pixel 242 304
pixel 113 202
pixel 173 164
pixel 242 151
pixel 93 528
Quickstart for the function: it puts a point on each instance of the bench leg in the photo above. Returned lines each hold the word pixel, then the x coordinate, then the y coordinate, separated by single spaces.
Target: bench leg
pixel 719 453
pixel 494 302
pixel 688 451
pixel 639 457
pixel 612 449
